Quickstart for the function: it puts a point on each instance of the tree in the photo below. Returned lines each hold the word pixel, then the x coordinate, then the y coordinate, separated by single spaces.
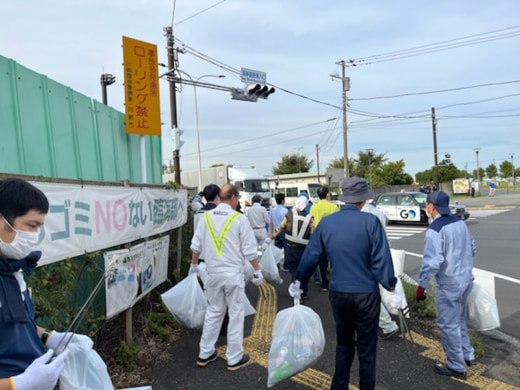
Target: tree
pixel 365 160
pixel 491 171
pixel 392 173
pixel 506 169
pixel 360 166
pixel 447 172
pixel 338 162
pixel 292 163
pixel 480 175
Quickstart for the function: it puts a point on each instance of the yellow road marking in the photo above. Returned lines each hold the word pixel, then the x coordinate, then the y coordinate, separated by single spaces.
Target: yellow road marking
pixel 492 207
pixel 258 343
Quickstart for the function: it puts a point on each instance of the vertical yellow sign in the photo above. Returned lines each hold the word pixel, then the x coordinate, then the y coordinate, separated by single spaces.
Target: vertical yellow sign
pixel 142 108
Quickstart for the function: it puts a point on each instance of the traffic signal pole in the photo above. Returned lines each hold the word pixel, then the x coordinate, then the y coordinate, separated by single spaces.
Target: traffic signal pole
pixel 168 32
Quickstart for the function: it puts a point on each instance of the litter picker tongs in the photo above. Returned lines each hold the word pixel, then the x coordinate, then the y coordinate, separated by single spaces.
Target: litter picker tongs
pixel 79 316
pixel 403 326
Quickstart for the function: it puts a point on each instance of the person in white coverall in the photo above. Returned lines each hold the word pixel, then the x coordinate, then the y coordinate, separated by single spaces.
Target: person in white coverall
pixel 387 325
pixel 258 218
pixel 225 240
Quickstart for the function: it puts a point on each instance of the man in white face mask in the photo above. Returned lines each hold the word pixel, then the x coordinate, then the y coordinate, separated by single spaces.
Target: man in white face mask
pixel 26 349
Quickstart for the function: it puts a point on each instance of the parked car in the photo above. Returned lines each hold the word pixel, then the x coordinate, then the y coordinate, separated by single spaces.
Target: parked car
pixel 410 207
pixel 407 207
pixel 460 211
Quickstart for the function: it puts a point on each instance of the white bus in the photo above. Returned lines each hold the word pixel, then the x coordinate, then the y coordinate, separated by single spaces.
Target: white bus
pixel 292 190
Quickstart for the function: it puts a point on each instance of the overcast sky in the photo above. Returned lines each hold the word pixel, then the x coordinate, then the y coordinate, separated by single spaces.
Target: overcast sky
pixel 298 43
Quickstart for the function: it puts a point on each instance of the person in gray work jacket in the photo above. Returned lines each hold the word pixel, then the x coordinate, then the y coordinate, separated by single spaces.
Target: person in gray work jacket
pixel 448 256
pixel 359 255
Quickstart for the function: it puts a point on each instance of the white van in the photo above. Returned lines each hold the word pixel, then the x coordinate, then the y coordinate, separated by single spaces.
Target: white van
pixel 292 190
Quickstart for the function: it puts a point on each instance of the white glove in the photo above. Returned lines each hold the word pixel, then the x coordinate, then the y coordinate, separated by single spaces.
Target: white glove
pixel 194 269
pixel 69 339
pixel 392 301
pixel 294 289
pixel 40 375
pixel 267 241
pixel 257 278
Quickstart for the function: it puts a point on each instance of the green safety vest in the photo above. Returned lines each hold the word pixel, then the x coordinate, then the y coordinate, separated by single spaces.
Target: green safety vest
pixel 218 242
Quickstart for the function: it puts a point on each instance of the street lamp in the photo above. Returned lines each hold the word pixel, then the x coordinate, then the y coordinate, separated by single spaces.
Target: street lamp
pixel 370 151
pixel 478 170
pixel 106 79
pixel 197 116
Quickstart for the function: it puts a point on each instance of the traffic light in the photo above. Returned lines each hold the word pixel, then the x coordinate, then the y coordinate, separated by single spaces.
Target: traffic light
pixel 240 94
pixel 177 138
pixel 259 90
pixel 447 158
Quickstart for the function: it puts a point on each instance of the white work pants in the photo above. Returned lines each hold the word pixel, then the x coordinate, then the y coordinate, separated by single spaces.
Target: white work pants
pixel 260 235
pixel 224 291
pixel 386 323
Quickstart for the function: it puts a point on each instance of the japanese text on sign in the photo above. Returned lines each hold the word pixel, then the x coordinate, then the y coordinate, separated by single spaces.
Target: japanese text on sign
pixel 142 108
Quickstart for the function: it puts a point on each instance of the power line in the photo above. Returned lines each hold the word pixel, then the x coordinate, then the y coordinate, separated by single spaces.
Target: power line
pixel 436 91
pixel 435 47
pixel 198 13
pixel 264 136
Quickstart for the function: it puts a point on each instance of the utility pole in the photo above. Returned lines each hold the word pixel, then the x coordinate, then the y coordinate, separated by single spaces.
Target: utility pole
pixel 168 32
pixel 370 152
pixel 434 126
pixel 478 170
pixel 318 161
pixel 345 86
pixel 513 176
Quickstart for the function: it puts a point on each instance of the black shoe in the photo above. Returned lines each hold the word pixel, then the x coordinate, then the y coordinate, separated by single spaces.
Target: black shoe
pixel 324 289
pixel 205 362
pixel 469 363
pixel 444 370
pixel 241 363
pixel 386 336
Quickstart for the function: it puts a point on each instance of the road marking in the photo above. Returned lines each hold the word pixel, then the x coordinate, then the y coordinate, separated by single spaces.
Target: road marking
pixel 396 233
pixel 258 343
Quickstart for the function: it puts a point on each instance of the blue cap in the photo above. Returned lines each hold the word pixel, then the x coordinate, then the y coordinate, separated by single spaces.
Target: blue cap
pixel 440 200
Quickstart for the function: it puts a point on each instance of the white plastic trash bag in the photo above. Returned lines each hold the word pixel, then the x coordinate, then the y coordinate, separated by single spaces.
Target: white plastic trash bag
pixel 277 252
pixel 481 309
pixel 269 267
pixel 297 343
pixel 398 256
pixel 187 302
pixel 385 297
pixel 84 369
pixel 248 308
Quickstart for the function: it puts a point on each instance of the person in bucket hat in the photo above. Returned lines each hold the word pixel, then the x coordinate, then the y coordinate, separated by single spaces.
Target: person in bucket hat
pixel 359 255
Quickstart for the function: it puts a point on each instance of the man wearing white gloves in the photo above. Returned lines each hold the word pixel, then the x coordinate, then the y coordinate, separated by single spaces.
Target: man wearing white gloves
pixel 26 349
pixel 225 239
pixel 356 246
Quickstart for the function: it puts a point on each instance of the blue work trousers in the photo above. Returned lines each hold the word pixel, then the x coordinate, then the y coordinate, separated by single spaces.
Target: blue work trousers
pixel 452 324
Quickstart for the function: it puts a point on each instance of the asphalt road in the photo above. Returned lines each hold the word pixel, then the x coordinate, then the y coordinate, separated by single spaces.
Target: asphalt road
pixel 401 364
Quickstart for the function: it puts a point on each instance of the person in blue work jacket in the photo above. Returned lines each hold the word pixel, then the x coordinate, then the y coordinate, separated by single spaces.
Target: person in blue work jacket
pixel 26 349
pixel 359 255
pixel 448 256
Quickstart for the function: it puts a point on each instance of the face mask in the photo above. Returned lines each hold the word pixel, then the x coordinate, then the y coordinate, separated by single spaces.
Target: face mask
pixel 22 244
